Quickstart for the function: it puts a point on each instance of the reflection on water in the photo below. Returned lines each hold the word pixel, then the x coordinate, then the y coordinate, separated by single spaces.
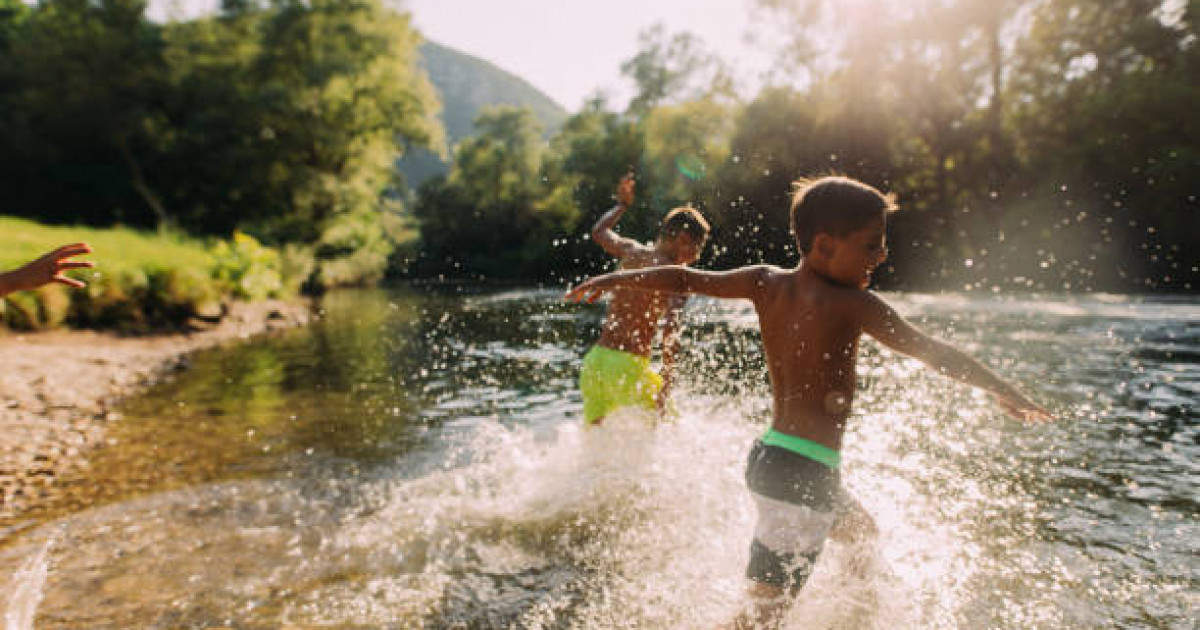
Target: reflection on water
pixel 416 460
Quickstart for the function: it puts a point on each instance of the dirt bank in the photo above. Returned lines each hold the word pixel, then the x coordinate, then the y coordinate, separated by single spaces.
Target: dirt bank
pixel 57 390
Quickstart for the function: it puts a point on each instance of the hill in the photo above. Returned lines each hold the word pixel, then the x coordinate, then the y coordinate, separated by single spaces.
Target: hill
pixel 467 84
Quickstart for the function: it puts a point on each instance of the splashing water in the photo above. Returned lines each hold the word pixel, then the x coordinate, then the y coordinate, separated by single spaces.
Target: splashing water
pixel 470 496
pixel 25 589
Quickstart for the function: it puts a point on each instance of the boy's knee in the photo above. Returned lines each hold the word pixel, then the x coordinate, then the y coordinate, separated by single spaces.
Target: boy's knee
pixel 856 527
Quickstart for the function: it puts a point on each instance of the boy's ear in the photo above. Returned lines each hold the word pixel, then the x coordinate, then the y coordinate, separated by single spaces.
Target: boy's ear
pixel 823 245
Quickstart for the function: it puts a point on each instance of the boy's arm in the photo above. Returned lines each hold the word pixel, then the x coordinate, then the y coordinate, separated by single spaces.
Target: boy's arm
pixel 746 282
pixel 45 270
pixel 603 233
pixel 882 322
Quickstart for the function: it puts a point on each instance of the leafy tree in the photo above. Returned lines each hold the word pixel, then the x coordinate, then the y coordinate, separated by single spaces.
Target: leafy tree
pixel 678 68
pixel 494 215
pixel 84 122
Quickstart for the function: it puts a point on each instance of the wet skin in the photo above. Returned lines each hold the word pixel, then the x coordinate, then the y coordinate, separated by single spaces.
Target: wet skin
pixel 633 316
pixel 811 319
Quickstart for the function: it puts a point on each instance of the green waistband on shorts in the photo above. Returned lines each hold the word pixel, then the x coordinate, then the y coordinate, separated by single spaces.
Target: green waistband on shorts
pixel 612 353
pixel 801 446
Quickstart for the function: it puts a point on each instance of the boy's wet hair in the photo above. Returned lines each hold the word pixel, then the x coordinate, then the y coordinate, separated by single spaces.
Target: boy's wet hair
pixel 684 220
pixel 835 205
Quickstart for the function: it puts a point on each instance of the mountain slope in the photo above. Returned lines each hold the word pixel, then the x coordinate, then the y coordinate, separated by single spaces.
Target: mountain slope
pixel 467 84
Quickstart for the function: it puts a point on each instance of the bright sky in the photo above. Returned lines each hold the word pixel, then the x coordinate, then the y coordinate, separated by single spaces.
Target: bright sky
pixel 569 49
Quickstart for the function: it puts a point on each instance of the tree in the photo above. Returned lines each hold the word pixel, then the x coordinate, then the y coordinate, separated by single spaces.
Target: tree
pixel 496 214
pixel 84 124
pixel 679 68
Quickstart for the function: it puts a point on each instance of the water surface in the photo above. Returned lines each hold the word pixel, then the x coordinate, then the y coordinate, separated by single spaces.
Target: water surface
pixel 416 460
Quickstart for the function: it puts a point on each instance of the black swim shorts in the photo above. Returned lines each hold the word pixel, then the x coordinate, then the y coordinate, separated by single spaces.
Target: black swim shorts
pixel 798 500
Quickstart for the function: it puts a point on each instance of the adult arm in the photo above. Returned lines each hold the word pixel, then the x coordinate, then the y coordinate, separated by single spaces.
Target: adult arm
pixel 883 323
pixel 45 270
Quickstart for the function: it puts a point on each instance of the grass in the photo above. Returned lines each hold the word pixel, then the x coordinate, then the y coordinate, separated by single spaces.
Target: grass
pixel 142 280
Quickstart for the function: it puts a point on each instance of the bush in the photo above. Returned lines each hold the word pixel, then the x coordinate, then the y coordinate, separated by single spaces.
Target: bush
pixel 144 281
pixel 246 269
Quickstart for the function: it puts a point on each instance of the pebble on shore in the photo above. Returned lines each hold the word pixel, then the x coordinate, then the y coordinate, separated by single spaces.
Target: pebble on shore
pixel 58 390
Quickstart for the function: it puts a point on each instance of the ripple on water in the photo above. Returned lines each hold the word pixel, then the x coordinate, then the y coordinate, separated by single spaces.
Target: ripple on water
pixel 427 468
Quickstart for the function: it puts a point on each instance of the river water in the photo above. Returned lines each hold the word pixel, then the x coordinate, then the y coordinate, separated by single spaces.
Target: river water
pixel 416 460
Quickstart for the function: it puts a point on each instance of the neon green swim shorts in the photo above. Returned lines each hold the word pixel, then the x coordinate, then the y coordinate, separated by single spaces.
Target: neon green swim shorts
pixel 611 379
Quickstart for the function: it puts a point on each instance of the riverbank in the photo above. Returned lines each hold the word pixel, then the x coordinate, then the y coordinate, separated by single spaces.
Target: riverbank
pixel 58 390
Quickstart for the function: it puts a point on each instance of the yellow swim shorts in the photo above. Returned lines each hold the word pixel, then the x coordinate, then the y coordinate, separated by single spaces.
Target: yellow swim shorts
pixel 611 379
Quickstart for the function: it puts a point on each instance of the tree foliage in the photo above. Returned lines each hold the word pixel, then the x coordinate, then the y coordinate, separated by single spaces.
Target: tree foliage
pixel 282 119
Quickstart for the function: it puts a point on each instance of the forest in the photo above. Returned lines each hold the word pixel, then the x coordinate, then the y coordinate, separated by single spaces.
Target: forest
pixel 1034 145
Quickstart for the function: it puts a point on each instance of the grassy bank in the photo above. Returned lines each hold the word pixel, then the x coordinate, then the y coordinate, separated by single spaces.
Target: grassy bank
pixel 143 280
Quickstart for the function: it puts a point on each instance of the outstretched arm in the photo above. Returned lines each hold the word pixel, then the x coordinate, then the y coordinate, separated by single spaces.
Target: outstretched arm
pixel 603 233
pixel 45 270
pixel 745 282
pixel 885 324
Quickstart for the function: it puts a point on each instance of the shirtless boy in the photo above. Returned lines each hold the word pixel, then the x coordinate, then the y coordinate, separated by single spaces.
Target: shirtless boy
pixel 811 319
pixel 616 371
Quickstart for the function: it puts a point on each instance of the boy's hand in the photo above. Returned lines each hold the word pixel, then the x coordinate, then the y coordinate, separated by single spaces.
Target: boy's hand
pixel 589 290
pixel 663 399
pixel 1021 407
pixel 49 268
pixel 625 191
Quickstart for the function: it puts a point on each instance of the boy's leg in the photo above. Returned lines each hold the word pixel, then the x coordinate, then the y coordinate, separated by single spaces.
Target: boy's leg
pixel 768 606
pixel 854 522
pixel 856 528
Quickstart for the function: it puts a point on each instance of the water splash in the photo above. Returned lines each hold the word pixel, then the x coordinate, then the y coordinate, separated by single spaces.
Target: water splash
pixel 501 511
pixel 26 588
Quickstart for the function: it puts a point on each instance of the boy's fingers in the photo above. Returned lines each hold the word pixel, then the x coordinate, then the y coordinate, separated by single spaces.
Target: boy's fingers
pixel 76 264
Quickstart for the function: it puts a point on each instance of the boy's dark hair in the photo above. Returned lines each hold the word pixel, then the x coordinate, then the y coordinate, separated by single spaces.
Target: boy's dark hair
pixel 835 205
pixel 684 220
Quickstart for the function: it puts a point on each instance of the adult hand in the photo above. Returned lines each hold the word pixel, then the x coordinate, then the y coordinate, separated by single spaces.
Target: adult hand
pixel 49 268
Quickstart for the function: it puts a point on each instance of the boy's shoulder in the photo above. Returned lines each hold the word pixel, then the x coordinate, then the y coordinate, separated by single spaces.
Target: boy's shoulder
pixel 638 255
pixel 851 302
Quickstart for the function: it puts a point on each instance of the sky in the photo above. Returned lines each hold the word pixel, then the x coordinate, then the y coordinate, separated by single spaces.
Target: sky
pixel 569 49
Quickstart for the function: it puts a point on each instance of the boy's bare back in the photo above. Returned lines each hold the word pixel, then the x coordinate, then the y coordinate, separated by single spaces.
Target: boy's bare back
pixel 633 316
pixel 810 331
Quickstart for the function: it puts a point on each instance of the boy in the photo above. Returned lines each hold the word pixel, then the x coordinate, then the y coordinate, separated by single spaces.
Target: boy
pixel 45 270
pixel 616 371
pixel 811 319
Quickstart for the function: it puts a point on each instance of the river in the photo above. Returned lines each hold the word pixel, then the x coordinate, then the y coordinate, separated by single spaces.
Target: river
pixel 415 459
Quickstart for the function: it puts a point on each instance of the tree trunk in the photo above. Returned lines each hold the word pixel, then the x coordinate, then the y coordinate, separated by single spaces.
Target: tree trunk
pixel 142 187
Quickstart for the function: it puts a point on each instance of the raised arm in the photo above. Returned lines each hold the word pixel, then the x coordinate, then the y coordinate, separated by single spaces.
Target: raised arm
pixel 745 282
pixel 883 323
pixel 603 233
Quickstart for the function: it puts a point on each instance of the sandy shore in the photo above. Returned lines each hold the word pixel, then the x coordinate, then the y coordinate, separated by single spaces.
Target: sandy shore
pixel 57 390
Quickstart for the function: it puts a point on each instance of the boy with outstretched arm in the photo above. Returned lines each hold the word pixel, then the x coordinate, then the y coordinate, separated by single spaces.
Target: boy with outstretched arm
pixel 811 319
pixel 616 371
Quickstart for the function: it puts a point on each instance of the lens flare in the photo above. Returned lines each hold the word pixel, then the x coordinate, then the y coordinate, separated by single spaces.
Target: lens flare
pixel 690 166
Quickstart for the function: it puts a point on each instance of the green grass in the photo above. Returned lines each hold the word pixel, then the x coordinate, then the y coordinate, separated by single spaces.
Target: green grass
pixel 114 248
pixel 142 280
